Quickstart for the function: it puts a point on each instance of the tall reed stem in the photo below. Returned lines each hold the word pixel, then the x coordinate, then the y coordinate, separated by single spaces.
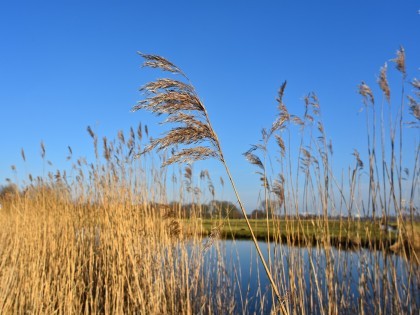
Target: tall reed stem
pixel 254 239
pixel 180 102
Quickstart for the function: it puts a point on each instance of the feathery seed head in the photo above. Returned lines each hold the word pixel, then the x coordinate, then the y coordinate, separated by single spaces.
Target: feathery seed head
pixel 121 136
pixel 90 131
pixel 42 149
pixel 383 83
pixel 278 190
pixel 154 61
pixel 359 161
pixel 400 61
pixel 416 84
pixel 139 132
pixel 366 92
pixel 280 143
pixel 281 93
pixel 253 159
pixel 179 101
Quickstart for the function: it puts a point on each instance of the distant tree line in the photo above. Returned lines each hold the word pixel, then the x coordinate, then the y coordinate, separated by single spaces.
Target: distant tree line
pixel 212 210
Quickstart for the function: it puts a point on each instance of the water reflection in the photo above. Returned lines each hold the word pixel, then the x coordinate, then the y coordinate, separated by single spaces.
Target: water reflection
pixel 365 279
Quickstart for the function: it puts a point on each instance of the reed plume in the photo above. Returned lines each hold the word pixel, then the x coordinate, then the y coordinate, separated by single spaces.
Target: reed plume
pixel 400 61
pixel 414 105
pixel 180 102
pixel 366 92
pixel 383 83
pixel 192 138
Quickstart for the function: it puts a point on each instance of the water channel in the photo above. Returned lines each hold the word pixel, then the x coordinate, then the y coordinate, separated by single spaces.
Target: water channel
pixel 363 278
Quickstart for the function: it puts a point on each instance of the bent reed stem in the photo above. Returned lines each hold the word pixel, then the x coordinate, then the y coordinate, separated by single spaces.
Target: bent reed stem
pixel 254 239
pixel 180 102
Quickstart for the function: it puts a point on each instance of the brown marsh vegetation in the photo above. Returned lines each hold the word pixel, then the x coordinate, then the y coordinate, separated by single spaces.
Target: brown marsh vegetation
pixel 103 238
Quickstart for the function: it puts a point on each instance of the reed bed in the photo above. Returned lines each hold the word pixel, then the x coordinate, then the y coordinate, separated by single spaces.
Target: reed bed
pixel 103 237
pixel 99 242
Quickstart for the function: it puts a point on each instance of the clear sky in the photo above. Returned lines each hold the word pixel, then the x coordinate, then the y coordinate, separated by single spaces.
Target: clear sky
pixel 65 65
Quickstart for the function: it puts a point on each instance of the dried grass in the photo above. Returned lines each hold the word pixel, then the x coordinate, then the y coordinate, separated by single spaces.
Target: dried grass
pixel 103 239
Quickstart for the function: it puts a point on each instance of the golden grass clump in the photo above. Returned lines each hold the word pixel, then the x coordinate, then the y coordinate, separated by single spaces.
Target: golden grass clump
pixel 96 244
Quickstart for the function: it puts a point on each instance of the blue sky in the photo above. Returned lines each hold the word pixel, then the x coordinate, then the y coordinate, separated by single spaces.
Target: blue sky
pixel 68 64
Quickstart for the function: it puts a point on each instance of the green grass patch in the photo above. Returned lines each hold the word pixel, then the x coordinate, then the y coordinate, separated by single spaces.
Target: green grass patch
pixel 336 232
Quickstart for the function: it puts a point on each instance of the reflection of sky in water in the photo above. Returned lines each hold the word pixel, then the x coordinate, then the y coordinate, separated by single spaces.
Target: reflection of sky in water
pixel 350 267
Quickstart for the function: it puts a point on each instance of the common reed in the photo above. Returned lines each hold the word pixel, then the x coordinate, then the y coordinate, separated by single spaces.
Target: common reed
pixel 180 102
pixel 310 184
pixel 102 240
pixel 108 237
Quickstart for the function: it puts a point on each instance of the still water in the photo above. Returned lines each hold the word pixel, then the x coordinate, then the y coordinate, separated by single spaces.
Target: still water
pixel 361 279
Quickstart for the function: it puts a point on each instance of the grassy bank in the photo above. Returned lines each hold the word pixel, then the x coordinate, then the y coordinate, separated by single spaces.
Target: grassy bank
pixel 343 233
